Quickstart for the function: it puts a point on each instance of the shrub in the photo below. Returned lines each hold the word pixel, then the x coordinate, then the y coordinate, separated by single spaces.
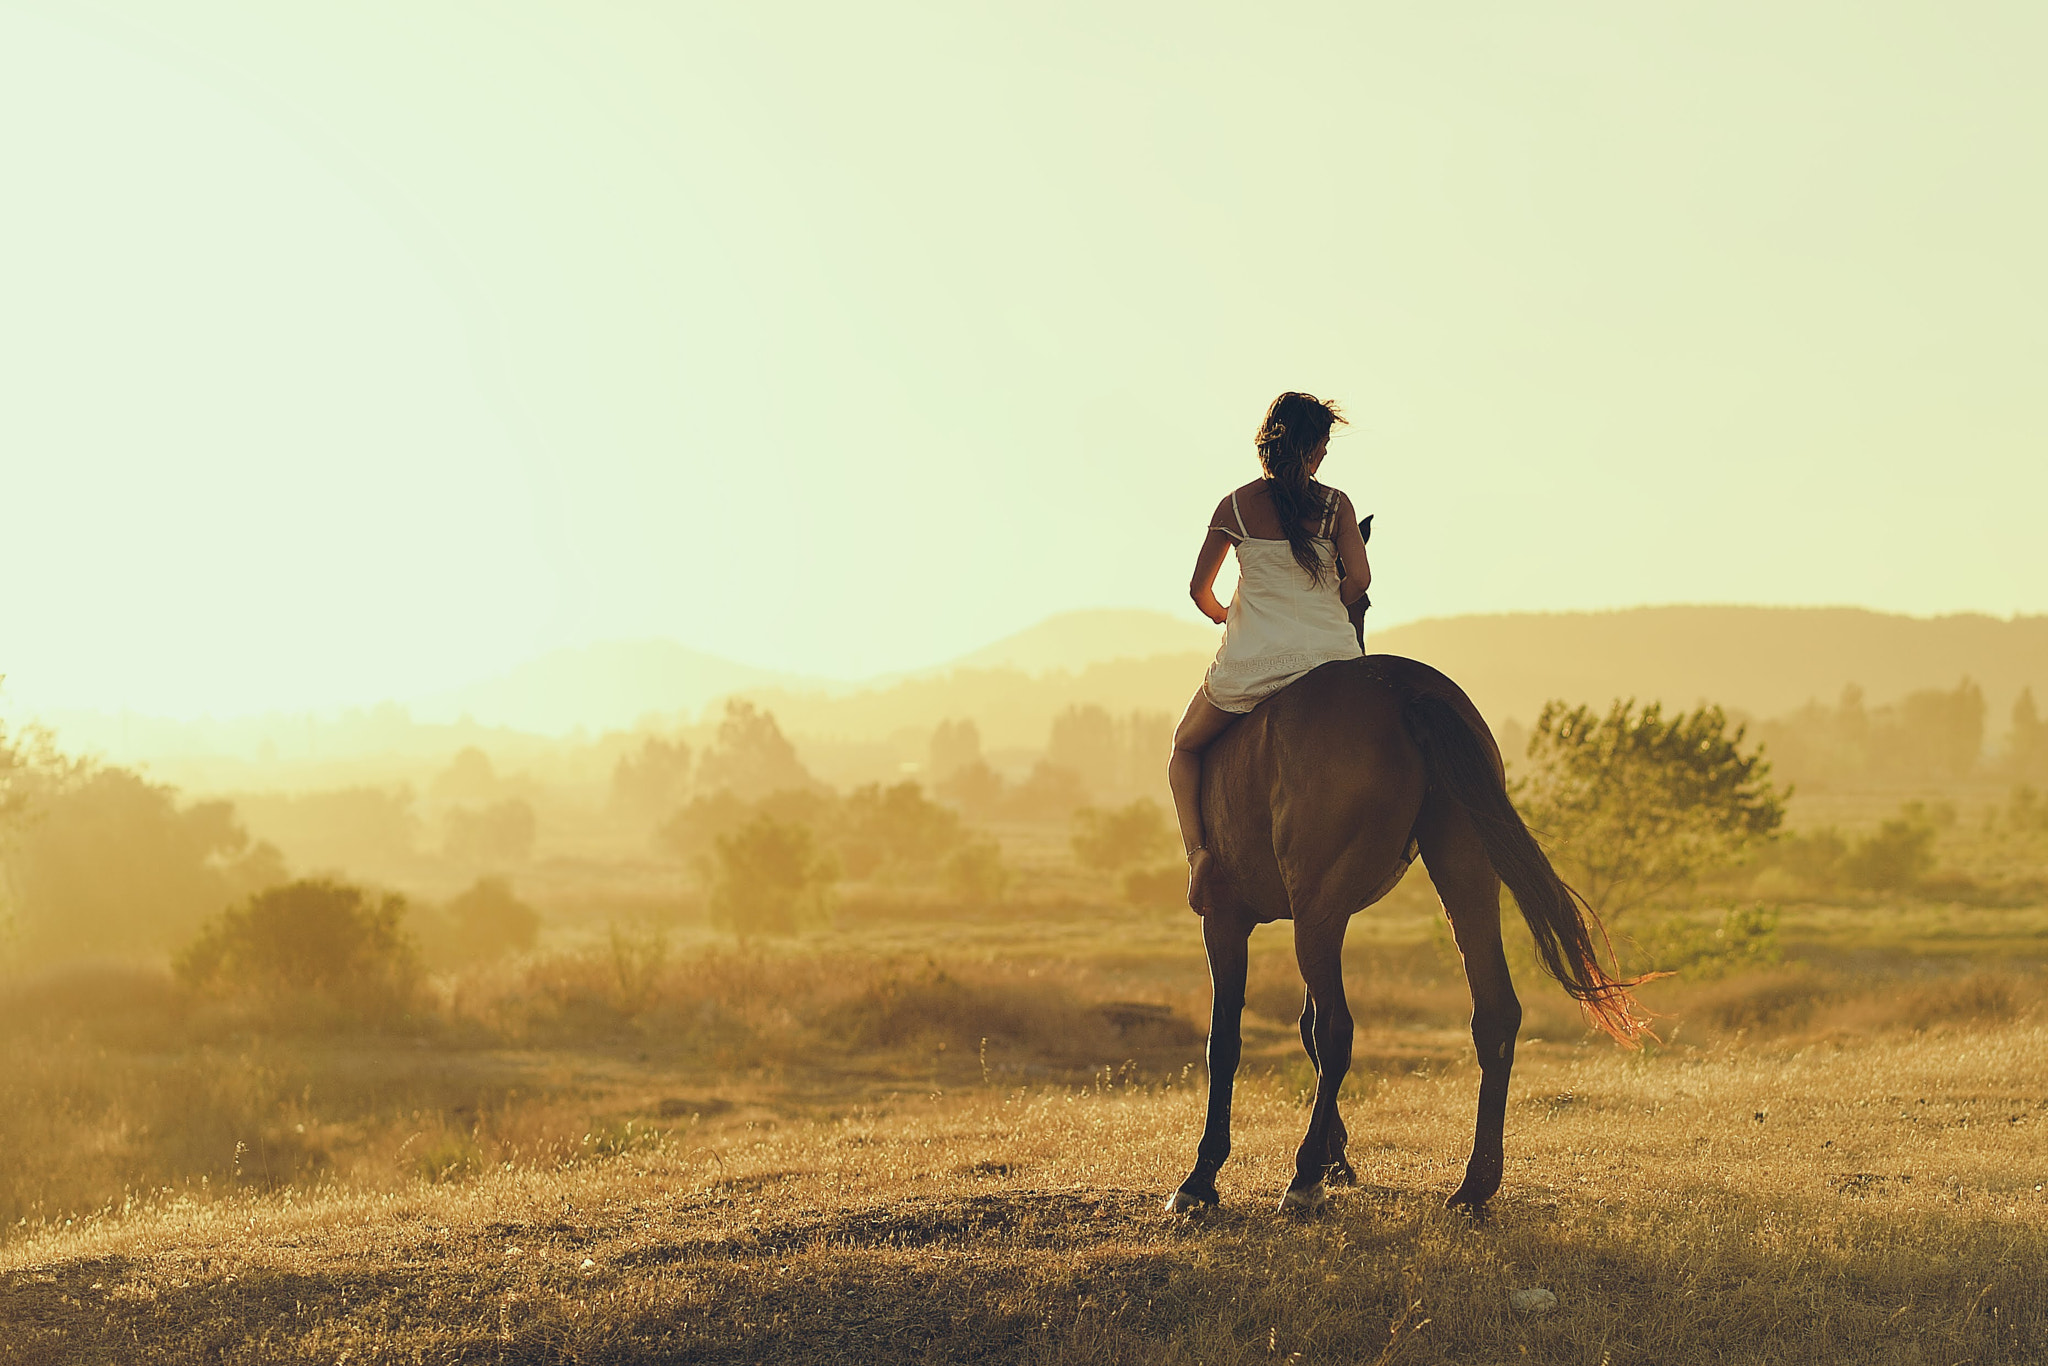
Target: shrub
pixel 1746 937
pixel 307 938
pixel 1112 840
pixel 487 921
pixel 976 872
pixel 1814 859
pixel 1895 859
pixel 770 877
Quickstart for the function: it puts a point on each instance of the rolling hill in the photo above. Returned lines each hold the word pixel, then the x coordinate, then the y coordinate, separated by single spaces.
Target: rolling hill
pixel 1762 661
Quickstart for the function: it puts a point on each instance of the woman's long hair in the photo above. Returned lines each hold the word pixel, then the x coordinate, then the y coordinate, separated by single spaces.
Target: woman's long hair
pixel 1295 425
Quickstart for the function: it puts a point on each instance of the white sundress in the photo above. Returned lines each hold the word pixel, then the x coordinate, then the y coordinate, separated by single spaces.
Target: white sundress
pixel 1279 625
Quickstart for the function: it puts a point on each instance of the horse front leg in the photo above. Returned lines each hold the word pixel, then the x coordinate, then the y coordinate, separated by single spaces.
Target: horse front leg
pixel 1339 1172
pixel 1228 942
pixel 1319 950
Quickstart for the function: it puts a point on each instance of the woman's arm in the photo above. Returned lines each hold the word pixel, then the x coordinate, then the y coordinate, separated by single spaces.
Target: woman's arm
pixel 1351 552
pixel 1202 587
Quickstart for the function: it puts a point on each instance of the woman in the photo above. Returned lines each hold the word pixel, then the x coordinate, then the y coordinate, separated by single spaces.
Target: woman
pixel 1300 559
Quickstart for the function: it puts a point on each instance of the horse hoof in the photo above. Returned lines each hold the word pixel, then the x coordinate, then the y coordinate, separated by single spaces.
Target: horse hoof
pixel 1308 1200
pixel 1187 1202
pixel 1468 1198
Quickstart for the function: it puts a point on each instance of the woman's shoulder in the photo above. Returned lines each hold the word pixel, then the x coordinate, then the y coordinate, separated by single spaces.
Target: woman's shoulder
pixel 1242 494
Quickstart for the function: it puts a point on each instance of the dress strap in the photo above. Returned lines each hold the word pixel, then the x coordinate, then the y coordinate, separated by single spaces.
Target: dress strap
pixel 1329 515
pixel 1242 534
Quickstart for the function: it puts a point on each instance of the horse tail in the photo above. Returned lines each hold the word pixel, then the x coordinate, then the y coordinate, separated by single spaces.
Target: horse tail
pixel 1461 766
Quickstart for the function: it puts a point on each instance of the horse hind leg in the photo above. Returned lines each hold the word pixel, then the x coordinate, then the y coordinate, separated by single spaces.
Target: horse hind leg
pixel 1339 1172
pixel 1470 890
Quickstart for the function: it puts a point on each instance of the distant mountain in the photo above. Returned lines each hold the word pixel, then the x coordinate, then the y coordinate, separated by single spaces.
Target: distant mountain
pixel 613 685
pixel 1076 640
pixel 607 686
pixel 1762 661
pixel 1765 661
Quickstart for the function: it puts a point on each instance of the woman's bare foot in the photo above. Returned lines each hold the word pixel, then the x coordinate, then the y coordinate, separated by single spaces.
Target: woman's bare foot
pixel 1198 881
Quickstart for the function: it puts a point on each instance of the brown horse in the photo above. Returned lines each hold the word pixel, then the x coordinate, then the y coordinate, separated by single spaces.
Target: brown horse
pixel 1314 805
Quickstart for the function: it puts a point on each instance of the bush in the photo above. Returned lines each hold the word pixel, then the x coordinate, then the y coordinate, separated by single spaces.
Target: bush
pixel 770 877
pixel 1747 937
pixel 976 872
pixel 1108 841
pixel 308 938
pixel 1895 859
pixel 487 921
pixel 1815 859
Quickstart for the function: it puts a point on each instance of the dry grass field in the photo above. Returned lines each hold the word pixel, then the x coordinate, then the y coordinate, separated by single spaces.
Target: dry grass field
pixel 913 1142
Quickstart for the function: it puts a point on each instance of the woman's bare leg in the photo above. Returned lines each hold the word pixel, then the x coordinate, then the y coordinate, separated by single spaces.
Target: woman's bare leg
pixel 1199 726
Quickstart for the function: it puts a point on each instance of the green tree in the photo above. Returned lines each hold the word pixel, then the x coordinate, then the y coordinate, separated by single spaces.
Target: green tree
pixel 751 755
pixel 770 877
pixel 312 937
pixel 1633 804
pixel 1111 840
pixel 103 863
pixel 895 829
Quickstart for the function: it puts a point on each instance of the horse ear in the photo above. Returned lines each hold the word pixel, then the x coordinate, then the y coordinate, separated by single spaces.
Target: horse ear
pixel 1365 529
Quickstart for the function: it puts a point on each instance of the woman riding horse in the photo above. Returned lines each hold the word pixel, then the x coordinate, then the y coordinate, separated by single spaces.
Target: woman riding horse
pixel 1306 775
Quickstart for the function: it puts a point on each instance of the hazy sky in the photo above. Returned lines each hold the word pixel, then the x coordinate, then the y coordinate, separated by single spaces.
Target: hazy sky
pixel 356 350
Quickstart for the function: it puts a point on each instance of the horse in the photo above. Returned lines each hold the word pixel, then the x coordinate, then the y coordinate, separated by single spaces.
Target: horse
pixel 1315 804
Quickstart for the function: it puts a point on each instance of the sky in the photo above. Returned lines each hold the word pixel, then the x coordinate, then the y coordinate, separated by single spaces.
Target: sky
pixel 352 352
